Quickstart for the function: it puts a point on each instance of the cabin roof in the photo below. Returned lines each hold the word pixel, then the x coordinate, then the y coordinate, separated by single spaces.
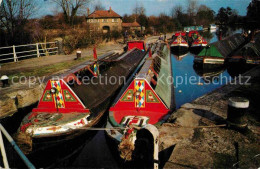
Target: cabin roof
pixel 224 47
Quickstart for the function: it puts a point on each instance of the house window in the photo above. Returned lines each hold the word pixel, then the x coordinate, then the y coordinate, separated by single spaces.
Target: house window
pixel 91 20
pixel 114 20
pixel 104 20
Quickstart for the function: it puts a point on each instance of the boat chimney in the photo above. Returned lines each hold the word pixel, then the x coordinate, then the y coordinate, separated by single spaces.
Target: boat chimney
pixel 88 11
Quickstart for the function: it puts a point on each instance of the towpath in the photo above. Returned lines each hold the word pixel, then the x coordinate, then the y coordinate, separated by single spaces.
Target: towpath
pixel 36 63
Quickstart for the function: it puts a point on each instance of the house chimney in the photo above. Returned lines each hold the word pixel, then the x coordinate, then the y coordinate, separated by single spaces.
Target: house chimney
pixel 110 9
pixel 88 11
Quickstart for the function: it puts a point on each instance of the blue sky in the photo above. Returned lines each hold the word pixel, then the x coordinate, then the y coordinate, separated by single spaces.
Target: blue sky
pixel 153 7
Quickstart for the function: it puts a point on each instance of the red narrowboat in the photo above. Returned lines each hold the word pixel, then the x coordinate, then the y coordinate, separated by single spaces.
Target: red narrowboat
pixel 143 103
pixel 198 44
pixel 179 44
pixel 74 102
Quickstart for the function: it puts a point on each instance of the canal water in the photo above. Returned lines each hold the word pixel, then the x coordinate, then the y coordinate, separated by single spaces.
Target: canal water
pixel 97 154
pixel 191 82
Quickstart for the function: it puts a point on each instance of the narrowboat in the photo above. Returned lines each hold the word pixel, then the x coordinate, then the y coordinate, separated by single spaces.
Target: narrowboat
pixel 76 101
pixel 179 44
pixel 198 44
pixel 212 27
pixel 192 35
pixel 248 54
pixel 214 54
pixel 143 103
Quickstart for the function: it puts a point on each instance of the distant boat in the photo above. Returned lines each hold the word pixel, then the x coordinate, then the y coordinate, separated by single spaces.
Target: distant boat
pixel 212 27
pixel 179 44
pixel 189 28
pixel 214 54
pixel 198 44
pixel 192 36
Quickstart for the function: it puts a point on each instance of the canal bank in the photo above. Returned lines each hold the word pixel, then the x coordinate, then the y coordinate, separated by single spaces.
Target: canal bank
pixel 195 137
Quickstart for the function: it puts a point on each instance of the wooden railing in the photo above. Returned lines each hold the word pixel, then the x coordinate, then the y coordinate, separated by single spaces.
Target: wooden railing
pixel 15 53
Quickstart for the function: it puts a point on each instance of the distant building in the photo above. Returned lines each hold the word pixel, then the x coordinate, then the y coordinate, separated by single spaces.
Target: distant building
pixel 104 20
pixel 134 26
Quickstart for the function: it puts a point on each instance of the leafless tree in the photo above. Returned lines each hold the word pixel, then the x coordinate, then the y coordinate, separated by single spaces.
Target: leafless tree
pixel 139 9
pixel 14 14
pixel 192 10
pixel 176 11
pixel 70 8
pixel 98 6
pixel 192 7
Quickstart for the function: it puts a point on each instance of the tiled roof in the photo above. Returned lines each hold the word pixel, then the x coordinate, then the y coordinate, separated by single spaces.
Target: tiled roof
pixel 133 24
pixel 104 14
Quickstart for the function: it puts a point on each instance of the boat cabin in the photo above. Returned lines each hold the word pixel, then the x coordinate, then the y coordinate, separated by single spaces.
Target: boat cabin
pixel 136 44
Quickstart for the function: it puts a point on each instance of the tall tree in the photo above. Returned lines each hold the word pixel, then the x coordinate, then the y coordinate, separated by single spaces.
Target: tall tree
pixel 139 9
pixel 98 6
pixel 223 15
pixel 13 16
pixel 205 15
pixel 70 8
pixel 191 10
pixel 253 10
pixel 177 11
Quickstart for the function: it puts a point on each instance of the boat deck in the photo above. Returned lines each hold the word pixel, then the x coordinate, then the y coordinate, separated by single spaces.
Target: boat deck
pixel 96 91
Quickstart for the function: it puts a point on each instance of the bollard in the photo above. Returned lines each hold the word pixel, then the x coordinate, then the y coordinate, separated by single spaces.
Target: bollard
pixel 78 54
pixel 5 81
pixel 237 109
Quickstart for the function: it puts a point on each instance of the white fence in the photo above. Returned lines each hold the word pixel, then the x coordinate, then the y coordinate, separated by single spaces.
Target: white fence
pixel 16 53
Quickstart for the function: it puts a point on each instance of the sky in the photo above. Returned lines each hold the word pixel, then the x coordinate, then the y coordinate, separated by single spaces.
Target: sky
pixel 153 7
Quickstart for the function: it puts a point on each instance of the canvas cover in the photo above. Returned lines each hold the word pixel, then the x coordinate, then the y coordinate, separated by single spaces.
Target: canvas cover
pixel 223 48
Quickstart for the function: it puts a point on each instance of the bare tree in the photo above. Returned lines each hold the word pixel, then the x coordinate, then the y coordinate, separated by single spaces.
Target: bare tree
pixel 70 8
pixel 176 11
pixel 14 14
pixel 192 10
pixel 139 9
pixel 98 6
pixel 192 7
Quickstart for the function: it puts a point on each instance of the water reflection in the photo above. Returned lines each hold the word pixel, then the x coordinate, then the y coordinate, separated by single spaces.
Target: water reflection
pixel 206 80
pixel 209 75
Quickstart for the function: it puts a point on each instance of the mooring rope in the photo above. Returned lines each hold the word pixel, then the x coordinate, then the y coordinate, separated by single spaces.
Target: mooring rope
pixel 194 127
pixel 95 128
pixel 167 124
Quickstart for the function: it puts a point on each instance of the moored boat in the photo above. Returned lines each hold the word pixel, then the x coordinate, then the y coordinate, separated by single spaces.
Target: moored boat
pixel 248 54
pixel 208 62
pixel 179 44
pixel 144 102
pixel 212 27
pixel 198 44
pixel 76 101
pixel 214 54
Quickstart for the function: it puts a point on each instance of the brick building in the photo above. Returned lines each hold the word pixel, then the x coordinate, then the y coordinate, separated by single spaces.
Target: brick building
pixel 134 26
pixel 104 20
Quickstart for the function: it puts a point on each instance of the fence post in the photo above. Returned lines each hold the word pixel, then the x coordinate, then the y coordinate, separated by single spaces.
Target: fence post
pixel 37 48
pixel 15 56
pixel 2 147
